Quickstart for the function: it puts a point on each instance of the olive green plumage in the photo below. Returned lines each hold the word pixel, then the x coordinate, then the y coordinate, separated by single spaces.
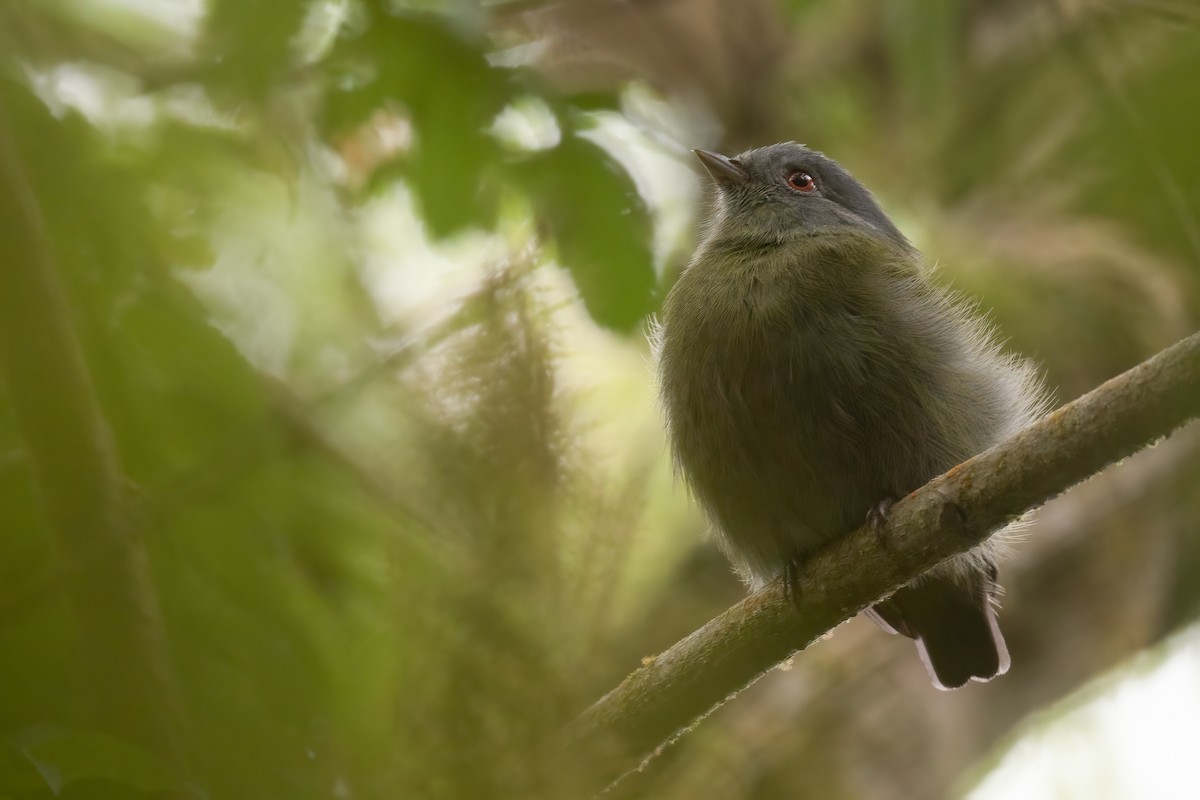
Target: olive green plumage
pixel 809 369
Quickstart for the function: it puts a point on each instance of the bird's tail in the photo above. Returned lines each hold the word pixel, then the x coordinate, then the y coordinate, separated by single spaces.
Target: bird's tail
pixel 953 620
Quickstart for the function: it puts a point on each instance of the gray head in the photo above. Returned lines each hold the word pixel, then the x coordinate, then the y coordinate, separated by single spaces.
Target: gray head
pixel 785 190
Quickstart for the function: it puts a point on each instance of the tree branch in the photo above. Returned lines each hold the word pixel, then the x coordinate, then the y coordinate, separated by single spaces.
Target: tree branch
pixel 949 515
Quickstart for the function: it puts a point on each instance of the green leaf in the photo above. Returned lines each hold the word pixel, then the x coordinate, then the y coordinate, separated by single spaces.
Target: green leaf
pixel 64 757
pixel 592 209
pixel 251 41
pixel 441 81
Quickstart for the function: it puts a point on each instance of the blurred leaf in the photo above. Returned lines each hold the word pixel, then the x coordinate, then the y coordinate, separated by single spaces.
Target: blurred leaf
pixel 250 42
pixel 65 757
pixel 167 378
pixel 593 101
pixel 596 216
pixel 451 95
pixel 1150 174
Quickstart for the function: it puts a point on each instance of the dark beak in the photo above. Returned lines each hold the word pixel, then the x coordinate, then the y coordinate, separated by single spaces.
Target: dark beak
pixel 723 170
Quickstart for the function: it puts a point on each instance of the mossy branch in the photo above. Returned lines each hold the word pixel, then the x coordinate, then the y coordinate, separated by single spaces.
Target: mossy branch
pixel 948 515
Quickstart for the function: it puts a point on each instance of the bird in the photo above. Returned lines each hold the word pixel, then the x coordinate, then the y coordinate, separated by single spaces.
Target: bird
pixel 811 370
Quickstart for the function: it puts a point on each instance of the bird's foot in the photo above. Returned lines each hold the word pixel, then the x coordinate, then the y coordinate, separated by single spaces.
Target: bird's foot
pixel 877 520
pixel 791 582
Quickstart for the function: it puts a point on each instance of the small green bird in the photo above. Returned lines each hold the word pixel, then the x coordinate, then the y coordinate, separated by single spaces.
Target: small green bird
pixel 810 372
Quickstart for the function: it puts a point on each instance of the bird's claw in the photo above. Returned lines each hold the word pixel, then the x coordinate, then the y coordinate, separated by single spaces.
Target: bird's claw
pixel 791 582
pixel 877 520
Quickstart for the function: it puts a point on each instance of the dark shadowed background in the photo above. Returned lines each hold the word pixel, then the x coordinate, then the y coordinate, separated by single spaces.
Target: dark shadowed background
pixel 330 465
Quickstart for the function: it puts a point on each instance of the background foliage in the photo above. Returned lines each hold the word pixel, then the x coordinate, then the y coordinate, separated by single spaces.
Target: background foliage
pixel 329 461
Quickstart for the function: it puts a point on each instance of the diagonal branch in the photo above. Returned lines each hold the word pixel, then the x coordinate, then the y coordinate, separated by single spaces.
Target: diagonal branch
pixel 950 514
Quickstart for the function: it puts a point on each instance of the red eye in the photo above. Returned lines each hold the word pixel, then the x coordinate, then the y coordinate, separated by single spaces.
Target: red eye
pixel 801 181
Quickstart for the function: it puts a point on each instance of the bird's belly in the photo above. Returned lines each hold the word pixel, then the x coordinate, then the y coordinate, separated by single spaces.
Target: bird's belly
pixel 786 450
